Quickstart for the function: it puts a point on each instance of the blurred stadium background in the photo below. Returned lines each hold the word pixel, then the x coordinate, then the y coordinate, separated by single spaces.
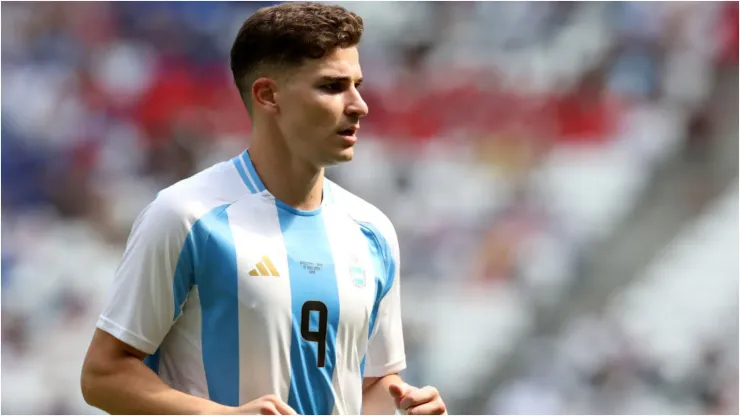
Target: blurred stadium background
pixel 563 178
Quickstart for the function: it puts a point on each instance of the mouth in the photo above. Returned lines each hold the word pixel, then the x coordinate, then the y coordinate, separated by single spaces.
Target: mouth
pixel 348 131
pixel 349 134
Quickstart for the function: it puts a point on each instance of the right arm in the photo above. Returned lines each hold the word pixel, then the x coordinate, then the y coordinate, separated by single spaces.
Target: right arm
pixel 115 379
pixel 149 289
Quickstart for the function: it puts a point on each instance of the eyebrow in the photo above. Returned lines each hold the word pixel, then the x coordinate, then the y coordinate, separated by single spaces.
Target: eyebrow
pixel 330 78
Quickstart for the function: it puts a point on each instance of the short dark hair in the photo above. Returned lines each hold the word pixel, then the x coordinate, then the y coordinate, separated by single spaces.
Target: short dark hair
pixel 287 35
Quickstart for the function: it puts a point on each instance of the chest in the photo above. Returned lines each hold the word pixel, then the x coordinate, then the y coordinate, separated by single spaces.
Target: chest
pixel 302 270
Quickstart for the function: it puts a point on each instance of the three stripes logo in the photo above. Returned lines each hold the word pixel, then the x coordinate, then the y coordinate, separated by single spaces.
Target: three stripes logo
pixel 264 268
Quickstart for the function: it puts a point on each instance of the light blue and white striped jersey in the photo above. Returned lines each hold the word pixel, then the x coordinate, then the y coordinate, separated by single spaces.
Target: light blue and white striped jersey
pixel 236 295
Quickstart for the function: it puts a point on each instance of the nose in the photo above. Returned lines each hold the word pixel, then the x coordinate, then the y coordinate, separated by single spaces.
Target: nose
pixel 356 106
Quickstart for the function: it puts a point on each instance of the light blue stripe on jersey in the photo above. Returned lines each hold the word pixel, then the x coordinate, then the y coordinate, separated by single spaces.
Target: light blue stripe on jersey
pixel 216 277
pixel 182 281
pixel 252 172
pixel 152 361
pixel 184 271
pixel 240 168
pixel 385 272
pixel 312 278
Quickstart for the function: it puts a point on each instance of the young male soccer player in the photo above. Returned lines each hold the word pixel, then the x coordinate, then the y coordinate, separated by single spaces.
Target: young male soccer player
pixel 257 285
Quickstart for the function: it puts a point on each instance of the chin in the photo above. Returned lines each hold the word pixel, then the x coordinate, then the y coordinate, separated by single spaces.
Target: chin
pixel 342 156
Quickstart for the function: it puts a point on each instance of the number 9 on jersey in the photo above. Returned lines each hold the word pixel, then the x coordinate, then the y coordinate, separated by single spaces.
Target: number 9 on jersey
pixel 318 336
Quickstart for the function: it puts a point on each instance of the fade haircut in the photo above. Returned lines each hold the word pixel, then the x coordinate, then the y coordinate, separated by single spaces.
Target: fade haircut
pixel 284 36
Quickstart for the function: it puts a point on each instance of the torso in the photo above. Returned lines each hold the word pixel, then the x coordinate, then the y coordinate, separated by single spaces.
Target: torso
pixel 282 303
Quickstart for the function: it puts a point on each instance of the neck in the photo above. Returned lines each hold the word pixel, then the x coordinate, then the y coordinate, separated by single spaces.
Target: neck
pixel 289 178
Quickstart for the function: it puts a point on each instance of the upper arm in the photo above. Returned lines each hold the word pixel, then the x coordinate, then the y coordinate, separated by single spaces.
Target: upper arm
pixel 106 347
pixel 386 354
pixel 152 280
pixel 104 355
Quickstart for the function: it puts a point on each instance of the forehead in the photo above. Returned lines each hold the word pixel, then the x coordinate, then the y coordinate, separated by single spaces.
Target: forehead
pixel 344 62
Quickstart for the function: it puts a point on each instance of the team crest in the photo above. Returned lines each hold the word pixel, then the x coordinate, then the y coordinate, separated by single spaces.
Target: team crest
pixel 357 273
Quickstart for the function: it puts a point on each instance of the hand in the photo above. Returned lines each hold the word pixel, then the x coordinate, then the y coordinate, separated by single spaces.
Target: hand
pixel 266 405
pixel 416 401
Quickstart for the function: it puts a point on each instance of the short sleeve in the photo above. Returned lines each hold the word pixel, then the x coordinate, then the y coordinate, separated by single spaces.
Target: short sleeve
pixel 386 354
pixel 152 280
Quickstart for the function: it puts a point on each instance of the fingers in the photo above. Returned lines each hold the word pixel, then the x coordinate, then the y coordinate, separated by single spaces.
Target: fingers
pixel 268 408
pixel 435 407
pixel 284 409
pixel 398 391
pixel 273 405
pixel 418 397
pixel 424 401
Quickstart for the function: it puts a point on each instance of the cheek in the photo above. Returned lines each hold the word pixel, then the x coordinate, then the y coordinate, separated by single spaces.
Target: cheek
pixel 320 113
pixel 308 113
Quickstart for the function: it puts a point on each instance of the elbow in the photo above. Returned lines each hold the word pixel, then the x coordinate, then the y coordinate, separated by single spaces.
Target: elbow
pixel 105 364
pixel 87 384
pixel 90 384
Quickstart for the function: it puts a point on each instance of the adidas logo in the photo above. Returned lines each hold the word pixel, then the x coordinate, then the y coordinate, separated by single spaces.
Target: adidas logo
pixel 264 268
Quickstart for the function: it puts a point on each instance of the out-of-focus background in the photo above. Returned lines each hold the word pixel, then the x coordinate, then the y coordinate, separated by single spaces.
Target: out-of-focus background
pixel 563 178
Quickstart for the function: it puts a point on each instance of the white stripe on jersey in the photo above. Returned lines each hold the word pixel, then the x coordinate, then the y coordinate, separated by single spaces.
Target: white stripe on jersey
pixel 264 354
pixel 346 382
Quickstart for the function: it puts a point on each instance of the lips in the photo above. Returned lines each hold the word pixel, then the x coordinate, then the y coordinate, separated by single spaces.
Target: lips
pixel 350 131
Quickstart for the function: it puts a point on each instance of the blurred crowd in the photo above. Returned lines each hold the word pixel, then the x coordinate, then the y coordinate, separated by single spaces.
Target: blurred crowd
pixel 666 344
pixel 504 140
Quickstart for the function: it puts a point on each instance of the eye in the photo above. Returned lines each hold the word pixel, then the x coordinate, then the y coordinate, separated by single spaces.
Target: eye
pixel 334 87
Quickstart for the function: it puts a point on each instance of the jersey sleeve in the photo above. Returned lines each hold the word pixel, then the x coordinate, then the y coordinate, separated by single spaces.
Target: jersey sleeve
pixel 152 280
pixel 386 354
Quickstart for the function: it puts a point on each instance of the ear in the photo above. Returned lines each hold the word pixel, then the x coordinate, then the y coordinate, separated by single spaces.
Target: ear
pixel 263 94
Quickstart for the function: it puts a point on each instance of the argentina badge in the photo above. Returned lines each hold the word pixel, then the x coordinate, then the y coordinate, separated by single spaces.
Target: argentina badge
pixel 357 273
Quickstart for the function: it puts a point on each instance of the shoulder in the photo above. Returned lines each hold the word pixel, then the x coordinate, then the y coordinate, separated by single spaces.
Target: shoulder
pixel 363 213
pixel 183 203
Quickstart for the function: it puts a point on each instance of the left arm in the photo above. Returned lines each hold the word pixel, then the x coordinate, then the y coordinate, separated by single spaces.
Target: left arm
pixel 376 397
pixel 384 395
pixel 383 391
